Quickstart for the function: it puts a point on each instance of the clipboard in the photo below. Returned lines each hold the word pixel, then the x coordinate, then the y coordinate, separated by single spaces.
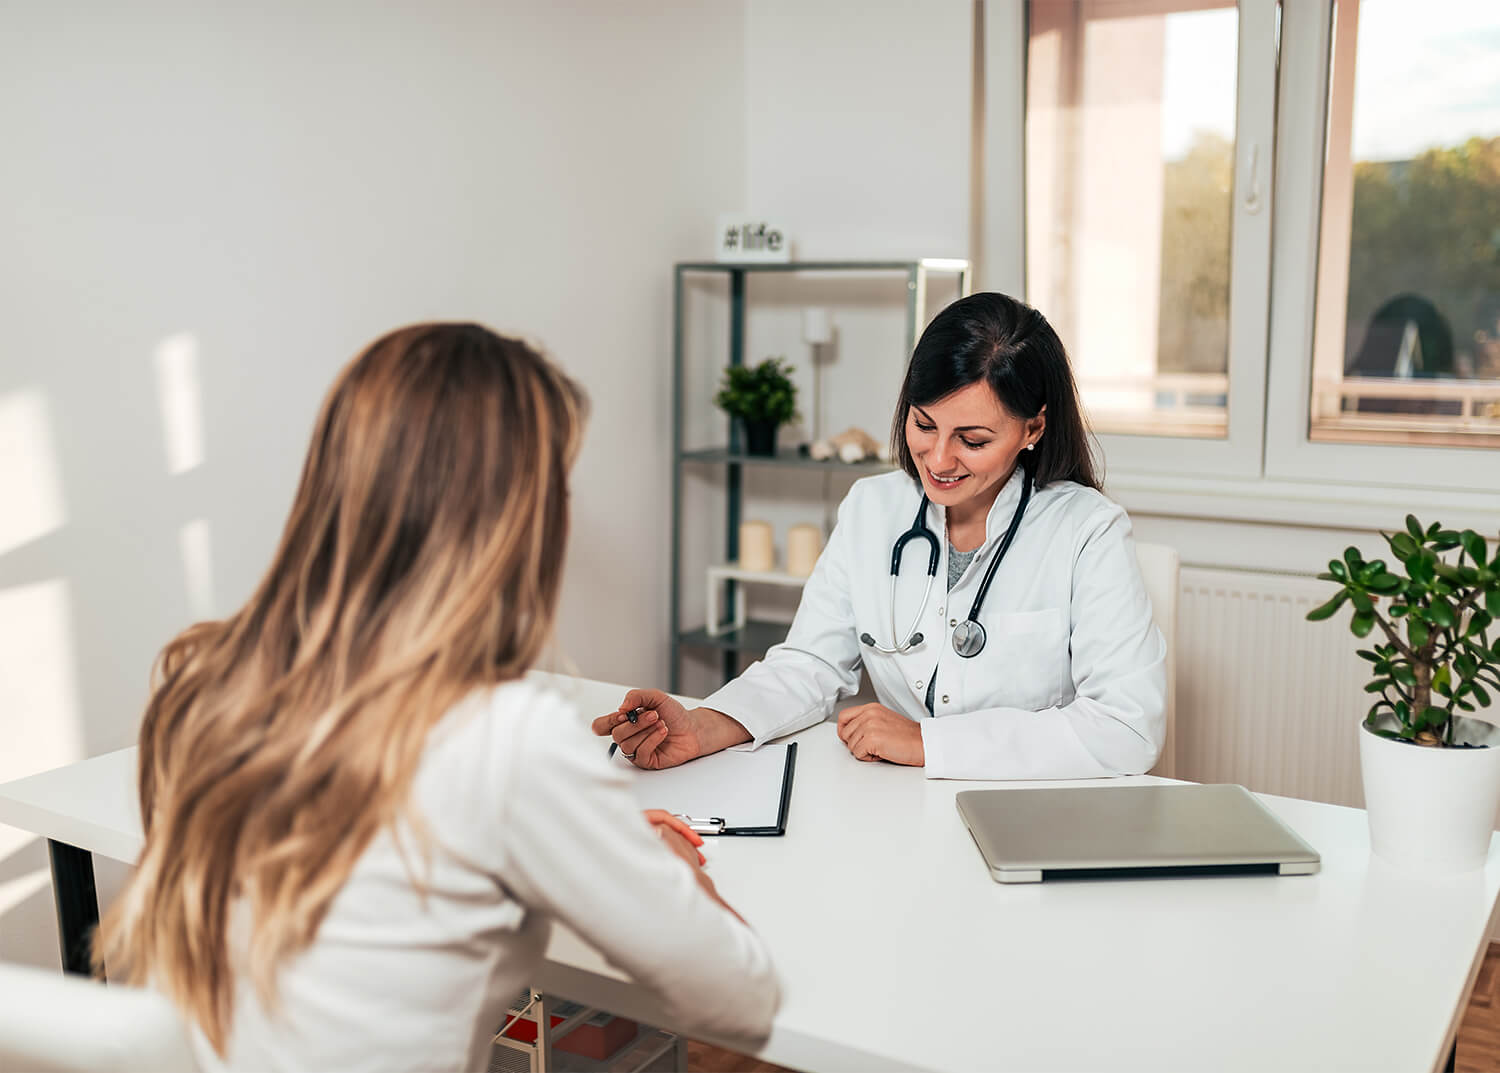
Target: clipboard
pixel 735 792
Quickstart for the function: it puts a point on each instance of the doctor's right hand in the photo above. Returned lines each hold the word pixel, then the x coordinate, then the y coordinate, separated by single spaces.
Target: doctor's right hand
pixel 665 733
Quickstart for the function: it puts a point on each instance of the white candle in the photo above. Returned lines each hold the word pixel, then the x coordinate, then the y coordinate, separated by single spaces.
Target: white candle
pixel 803 543
pixel 755 546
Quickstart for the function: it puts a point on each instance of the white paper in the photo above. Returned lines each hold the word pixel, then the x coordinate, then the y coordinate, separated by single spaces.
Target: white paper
pixel 740 787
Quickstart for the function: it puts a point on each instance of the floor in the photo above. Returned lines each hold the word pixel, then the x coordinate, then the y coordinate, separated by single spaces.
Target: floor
pixel 1478 1033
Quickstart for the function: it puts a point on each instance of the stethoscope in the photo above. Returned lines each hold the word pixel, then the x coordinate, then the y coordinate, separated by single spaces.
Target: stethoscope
pixel 968 635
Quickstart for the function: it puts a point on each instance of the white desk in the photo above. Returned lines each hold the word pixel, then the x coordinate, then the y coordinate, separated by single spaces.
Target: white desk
pixel 897 950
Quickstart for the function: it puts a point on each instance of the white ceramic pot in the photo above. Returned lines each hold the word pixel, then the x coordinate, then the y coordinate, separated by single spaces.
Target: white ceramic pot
pixel 1432 808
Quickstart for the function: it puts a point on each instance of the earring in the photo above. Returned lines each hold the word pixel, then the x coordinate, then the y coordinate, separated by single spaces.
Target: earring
pixel 1029 446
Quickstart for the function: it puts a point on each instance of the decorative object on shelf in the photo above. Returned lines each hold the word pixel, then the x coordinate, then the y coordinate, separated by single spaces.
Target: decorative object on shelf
pixel 1429 807
pixel 803 543
pixel 852 445
pixel 735 579
pixel 817 332
pixel 756 552
pixel 741 238
pixel 762 397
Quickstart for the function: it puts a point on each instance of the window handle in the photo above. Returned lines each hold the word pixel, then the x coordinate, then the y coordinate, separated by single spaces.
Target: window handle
pixel 1252 198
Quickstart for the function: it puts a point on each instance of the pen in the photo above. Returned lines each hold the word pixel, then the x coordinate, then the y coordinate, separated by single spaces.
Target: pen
pixel 633 715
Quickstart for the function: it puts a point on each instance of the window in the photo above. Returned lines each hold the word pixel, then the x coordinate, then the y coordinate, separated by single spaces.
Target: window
pixel 1269 234
pixel 1406 339
pixel 1147 186
pixel 1130 129
pixel 1386 247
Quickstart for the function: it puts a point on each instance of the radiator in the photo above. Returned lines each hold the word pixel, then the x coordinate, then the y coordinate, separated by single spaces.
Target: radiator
pixel 1264 697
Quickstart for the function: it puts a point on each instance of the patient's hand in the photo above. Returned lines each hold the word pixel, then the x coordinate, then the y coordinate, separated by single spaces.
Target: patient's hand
pixel 679 837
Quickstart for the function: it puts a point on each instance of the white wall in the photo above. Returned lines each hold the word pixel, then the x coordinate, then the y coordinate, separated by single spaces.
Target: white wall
pixel 857 121
pixel 264 188
pixel 857 124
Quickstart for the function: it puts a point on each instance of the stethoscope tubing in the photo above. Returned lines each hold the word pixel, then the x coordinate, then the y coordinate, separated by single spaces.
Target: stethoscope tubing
pixel 969 636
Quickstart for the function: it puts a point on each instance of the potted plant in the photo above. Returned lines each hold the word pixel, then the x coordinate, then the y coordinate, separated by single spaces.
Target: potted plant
pixel 762 397
pixel 1431 775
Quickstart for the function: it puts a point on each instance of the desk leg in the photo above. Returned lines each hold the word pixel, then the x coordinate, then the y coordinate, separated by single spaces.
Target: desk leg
pixel 77 903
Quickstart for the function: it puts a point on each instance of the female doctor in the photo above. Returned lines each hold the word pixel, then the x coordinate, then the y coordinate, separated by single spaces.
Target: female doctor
pixel 987 586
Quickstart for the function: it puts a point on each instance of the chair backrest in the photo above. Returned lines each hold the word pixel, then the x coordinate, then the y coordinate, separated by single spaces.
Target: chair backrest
pixel 69 1024
pixel 1160 567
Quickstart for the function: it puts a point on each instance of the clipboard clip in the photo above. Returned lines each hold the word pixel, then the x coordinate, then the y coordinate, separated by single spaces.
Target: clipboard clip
pixel 703 825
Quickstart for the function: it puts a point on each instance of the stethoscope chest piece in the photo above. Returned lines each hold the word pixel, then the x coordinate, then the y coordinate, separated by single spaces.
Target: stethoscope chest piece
pixel 968 638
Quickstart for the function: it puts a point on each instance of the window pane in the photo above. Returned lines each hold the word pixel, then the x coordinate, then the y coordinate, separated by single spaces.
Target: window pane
pixel 1130 128
pixel 1406 344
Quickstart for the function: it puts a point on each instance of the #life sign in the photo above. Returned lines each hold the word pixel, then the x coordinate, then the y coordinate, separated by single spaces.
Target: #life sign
pixel 742 237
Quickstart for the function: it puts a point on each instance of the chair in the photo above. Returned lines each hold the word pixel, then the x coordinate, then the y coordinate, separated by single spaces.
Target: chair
pixel 1160 567
pixel 68 1024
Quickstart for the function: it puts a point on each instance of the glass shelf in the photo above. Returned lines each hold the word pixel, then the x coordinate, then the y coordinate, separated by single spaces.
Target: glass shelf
pixel 752 637
pixel 930 264
pixel 789 456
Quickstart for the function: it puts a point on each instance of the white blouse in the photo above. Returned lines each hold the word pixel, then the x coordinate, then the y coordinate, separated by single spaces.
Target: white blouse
pixel 529 824
pixel 1071 682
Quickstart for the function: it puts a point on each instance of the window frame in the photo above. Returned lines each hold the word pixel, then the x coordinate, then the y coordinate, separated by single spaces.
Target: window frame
pixel 1307 40
pixel 1239 452
pixel 1268 465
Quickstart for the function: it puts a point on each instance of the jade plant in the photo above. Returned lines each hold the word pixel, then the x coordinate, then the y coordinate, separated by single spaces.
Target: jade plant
pixel 1435 657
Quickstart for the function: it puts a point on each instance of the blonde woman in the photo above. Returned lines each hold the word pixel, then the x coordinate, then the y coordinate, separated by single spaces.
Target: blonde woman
pixel 360 818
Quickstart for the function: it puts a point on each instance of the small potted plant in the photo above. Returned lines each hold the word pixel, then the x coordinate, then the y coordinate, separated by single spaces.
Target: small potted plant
pixel 1431 775
pixel 762 397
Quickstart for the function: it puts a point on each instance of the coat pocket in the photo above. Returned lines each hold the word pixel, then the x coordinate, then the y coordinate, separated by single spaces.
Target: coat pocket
pixel 1030 661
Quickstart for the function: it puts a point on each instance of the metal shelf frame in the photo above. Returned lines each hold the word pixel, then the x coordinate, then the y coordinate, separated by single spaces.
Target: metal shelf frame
pixel 539 1056
pixel 759 636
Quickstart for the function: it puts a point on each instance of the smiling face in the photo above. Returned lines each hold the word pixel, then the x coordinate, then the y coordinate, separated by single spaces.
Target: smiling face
pixel 965 446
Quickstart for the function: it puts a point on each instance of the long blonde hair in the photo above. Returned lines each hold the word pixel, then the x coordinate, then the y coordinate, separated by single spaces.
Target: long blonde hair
pixel 421 560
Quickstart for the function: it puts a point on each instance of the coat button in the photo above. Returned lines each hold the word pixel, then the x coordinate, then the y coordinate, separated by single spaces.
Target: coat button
pixel 919 683
pixel 945 698
pixel 953 622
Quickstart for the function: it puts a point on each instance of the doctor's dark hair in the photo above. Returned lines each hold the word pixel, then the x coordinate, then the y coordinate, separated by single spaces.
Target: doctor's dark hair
pixel 1011 347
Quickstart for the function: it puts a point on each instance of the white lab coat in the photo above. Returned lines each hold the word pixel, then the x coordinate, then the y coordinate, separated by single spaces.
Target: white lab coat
pixel 1072 679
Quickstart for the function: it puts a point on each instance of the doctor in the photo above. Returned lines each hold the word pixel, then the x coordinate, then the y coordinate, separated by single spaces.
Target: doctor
pixel 987 586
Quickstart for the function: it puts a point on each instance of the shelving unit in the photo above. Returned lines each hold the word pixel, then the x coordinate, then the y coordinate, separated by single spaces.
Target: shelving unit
pixel 727 637
pixel 650 1051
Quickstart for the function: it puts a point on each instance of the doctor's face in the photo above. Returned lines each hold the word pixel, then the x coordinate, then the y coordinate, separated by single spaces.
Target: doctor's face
pixel 965 446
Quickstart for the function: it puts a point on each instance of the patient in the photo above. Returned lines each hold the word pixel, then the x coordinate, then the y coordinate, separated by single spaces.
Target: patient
pixel 361 821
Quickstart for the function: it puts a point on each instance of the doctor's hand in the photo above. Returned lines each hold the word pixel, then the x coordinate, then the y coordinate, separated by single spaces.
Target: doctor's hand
pixel 665 733
pixel 874 732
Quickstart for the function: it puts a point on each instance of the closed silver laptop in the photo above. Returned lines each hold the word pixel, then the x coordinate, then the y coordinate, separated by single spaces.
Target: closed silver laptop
pixel 1093 832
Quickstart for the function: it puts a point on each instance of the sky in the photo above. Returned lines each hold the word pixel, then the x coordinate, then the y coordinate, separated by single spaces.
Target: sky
pixel 1427 74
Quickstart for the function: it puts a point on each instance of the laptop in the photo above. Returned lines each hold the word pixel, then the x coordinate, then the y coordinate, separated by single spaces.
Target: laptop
pixel 1101 832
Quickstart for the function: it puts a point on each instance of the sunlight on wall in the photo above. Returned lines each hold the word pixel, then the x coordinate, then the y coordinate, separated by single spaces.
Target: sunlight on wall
pixel 16 891
pixel 30 489
pixel 197 567
pixel 178 391
pixel 38 686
